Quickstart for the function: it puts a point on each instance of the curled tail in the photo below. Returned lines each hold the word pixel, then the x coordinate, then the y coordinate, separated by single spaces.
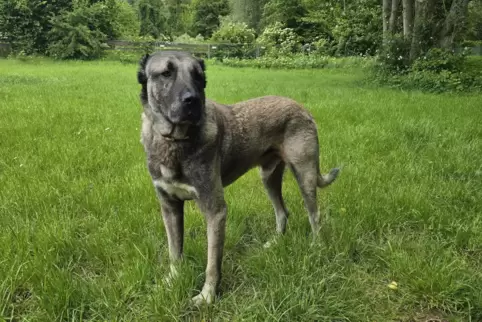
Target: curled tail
pixel 326 179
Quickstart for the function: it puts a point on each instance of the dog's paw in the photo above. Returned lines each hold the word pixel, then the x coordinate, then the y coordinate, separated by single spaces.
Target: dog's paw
pixel 173 273
pixel 206 296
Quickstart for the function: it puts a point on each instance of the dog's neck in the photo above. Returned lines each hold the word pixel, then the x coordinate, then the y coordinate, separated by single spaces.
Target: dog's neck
pixel 163 127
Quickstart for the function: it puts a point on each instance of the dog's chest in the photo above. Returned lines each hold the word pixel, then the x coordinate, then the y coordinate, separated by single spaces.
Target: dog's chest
pixel 172 187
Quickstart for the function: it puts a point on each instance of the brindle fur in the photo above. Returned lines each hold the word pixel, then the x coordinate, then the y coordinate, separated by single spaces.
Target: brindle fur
pixel 195 157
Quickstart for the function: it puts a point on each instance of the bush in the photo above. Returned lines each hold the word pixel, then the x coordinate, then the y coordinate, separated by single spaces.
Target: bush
pixel 439 70
pixel 395 55
pixel 235 40
pixel 439 60
pixel 283 62
pixel 234 33
pixel 279 41
pixel 186 39
pixel 435 82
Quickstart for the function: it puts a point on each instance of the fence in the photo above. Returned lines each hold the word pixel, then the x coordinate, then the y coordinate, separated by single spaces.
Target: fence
pixel 474 51
pixel 206 50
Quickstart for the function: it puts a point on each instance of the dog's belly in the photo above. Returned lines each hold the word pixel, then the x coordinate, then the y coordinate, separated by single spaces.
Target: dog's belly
pixel 176 189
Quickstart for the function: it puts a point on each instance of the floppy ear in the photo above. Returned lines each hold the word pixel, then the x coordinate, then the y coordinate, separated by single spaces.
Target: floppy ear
pixel 142 78
pixel 141 73
pixel 203 67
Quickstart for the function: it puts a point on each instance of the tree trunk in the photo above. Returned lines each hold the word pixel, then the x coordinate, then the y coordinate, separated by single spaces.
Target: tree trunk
pixel 422 23
pixel 454 23
pixel 392 23
pixel 386 17
pixel 407 18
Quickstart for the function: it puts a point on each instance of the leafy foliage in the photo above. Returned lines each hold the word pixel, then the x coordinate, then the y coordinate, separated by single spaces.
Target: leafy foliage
pixel 128 25
pixel 234 33
pixel 438 71
pixel 80 33
pixel 25 24
pixel 206 15
pixel 279 40
pixel 439 60
pixel 152 18
pixel 282 62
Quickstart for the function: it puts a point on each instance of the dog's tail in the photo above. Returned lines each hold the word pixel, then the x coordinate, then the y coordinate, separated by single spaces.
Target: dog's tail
pixel 326 179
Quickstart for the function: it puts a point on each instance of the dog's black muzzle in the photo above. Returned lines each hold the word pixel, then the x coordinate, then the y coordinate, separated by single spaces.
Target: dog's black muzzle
pixel 188 109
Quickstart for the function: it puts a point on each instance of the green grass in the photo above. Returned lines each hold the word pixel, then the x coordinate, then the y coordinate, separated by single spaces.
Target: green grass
pixel 81 237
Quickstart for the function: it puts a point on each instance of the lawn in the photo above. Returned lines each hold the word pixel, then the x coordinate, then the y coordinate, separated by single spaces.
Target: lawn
pixel 81 237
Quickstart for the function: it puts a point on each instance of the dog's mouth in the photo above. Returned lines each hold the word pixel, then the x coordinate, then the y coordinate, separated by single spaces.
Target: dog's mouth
pixel 179 132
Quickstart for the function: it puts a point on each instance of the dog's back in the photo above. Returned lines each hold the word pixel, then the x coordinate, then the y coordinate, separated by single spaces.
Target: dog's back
pixel 256 131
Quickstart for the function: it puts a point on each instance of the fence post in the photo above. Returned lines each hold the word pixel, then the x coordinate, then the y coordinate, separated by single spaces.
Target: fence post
pixel 257 51
pixel 209 51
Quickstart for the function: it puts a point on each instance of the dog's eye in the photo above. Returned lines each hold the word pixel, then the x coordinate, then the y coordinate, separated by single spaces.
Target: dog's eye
pixel 166 73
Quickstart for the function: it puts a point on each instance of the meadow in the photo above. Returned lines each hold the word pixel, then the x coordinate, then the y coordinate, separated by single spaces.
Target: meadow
pixel 81 238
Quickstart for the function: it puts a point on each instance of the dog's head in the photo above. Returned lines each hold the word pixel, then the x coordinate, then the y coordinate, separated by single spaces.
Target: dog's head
pixel 173 86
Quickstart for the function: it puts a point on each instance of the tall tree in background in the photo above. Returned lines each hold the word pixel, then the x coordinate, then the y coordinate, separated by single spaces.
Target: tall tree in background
pixel 407 18
pixel 178 18
pixel 288 12
pixel 249 12
pixel 152 16
pixel 426 23
pixel 474 20
pixel 206 15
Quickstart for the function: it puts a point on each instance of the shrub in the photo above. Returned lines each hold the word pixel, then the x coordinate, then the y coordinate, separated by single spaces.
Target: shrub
pixel 395 55
pixel 439 60
pixel 279 41
pixel 234 39
pixel 283 62
pixel 234 33
pixel 186 39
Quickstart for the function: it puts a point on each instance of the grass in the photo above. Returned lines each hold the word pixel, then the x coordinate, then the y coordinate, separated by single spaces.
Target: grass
pixel 81 237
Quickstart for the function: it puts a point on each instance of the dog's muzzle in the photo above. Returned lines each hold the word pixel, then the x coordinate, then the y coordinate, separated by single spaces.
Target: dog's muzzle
pixel 187 110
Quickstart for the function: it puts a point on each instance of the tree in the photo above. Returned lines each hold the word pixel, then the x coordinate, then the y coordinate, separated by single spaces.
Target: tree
pixel 454 24
pixel 288 12
pixel 249 12
pixel 127 20
pixel 81 33
pixel 426 23
pixel 178 16
pixel 392 23
pixel 474 20
pixel 206 14
pixel 25 24
pixel 407 18
pixel 152 16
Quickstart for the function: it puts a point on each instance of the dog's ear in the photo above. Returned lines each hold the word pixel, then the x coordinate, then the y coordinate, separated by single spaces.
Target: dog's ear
pixel 142 78
pixel 141 73
pixel 203 67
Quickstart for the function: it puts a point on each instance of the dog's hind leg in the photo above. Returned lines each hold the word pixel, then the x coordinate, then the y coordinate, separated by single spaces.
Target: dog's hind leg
pixel 307 177
pixel 272 177
pixel 301 154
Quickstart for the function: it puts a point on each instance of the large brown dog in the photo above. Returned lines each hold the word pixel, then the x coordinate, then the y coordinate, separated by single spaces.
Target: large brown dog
pixel 196 147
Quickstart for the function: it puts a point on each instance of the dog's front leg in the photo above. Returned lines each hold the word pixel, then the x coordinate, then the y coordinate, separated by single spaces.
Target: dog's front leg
pixel 173 217
pixel 215 211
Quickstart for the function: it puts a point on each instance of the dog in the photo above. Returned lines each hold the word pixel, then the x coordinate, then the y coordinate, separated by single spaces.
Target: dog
pixel 195 147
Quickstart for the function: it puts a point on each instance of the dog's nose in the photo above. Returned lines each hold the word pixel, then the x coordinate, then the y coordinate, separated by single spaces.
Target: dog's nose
pixel 187 97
